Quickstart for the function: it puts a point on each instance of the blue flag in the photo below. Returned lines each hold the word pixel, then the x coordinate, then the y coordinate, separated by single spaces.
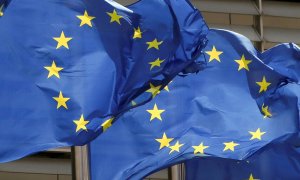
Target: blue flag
pixel 279 161
pixel 68 64
pixel 239 103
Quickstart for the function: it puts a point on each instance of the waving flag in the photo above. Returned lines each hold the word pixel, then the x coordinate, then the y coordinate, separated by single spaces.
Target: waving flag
pixel 242 101
pixel 68 64
pixel 279 161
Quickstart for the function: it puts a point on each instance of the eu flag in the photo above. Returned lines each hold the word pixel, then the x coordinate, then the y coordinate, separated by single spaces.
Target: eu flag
pixel 276 161
pixel 241 101
pixel 66 65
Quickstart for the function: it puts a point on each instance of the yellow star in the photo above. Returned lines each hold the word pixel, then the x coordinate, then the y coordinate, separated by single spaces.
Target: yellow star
pixel 214 54
pixel 86 19
pixel 155 63
pixel 252 178
pixel 164 141
pixel 167 88
pixel 81 124
pixel 175 147
pixel 154 44
pixel 265 111
pixel 243 63
pixel 200 148
pixel 133 103
pixel 137 33
pixel 155 112
pixel 62 40
pixel 114 17
pixel 53 70
pixel 107 124
pixel 154 90
pixel 230 146
pixel 61 100
pixel 1 10
pixel 257 134
pixel 263 85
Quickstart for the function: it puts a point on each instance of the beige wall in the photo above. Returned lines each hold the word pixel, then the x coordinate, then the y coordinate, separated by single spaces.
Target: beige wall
pixel 30 176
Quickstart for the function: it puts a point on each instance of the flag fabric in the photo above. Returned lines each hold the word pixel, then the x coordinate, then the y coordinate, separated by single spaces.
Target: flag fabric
pixel 279 161
pixel 242 101
pixel 68 64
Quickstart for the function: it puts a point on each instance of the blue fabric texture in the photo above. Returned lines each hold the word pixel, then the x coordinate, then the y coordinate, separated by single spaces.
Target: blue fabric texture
pixel 67 65
pixel 242 101
pixel 276 161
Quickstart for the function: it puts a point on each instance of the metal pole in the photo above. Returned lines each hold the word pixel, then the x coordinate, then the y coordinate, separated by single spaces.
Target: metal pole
pixel 80 163
pixel 259 25
pixel 177 172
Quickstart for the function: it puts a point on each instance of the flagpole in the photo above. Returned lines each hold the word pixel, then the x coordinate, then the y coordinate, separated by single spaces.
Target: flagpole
pixel 177 172
pixel 80 163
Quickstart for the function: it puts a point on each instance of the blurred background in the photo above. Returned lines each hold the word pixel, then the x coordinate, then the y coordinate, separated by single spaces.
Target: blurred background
pixel 265 22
